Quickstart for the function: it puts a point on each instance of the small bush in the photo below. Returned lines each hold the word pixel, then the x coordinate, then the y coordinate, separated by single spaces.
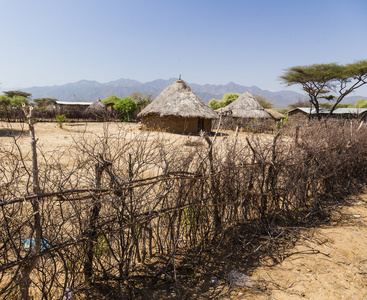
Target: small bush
pixel 60 119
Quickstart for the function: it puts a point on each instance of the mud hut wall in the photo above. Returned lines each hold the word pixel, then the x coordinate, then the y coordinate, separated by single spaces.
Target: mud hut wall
pixel 207 125
pixel 247 124
pixel 175 124
pixel 297 117
pixel 71 111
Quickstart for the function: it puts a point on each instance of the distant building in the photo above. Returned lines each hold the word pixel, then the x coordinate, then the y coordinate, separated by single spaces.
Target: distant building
pixel 71 109
pixel 304 113
pixel 299 114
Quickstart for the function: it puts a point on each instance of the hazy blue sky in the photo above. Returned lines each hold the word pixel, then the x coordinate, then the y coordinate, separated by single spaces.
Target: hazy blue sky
pixel 249 42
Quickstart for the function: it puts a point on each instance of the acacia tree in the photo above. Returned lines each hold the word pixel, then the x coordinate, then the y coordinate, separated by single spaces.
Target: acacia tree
pixel 332 82
pixel 10 106
pixel 12 94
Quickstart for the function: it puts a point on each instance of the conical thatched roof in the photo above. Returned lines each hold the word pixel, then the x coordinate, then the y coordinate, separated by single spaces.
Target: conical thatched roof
pixel 245 106
pixel 275 114
pixel 96 108
pixel 180 101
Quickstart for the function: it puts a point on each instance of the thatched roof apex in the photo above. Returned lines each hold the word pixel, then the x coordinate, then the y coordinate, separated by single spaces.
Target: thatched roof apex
pixel 245 106
pixel 178 100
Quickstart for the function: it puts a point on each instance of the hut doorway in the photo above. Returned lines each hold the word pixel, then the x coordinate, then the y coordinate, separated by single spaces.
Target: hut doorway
pixel 200 124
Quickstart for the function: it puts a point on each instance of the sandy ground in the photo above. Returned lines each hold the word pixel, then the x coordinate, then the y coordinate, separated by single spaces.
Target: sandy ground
pixel 329 262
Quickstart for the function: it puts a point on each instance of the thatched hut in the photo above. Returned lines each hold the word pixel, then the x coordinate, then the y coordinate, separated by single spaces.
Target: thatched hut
pixel 245 111
pixel 276 115
pixel 177 109
pixel 245 107
pixel 96 109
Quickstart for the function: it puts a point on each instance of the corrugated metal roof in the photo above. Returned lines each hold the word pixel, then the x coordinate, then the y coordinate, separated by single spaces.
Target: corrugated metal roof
pixel 304 109
pixel 73 103
pixel 338 111
pixel 345 110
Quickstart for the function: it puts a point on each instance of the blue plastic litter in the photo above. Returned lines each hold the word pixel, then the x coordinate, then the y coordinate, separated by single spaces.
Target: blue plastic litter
pixel 29 243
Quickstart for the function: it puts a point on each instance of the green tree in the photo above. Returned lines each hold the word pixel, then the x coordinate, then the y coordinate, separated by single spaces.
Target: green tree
pixel 327 81
pixel 4 101
pixel 60 119
pixel 12 94
pixel 326 105
pixel 127 106
pixel 7 103
pixel 226 100
pixel 15 98
pixel 215 104
pixel 111 99
pixel 361 103
pixel 17 101
pixel 229 98
pixel 263 101
pixel 346 105
pixel 4 106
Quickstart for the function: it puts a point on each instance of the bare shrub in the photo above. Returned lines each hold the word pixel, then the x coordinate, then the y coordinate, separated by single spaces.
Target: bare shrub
pixel 123 206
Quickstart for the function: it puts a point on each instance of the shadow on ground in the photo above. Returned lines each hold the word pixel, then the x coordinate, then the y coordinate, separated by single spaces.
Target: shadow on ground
pixel 6 132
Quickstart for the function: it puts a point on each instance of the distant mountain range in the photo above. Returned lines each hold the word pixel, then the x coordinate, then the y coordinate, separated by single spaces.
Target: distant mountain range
pixel 90 91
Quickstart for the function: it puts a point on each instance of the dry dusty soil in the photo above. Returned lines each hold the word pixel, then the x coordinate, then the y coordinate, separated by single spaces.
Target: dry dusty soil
pixel 329 262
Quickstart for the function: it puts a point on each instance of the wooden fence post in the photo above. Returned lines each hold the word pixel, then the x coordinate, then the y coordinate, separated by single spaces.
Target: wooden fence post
pixel 27 268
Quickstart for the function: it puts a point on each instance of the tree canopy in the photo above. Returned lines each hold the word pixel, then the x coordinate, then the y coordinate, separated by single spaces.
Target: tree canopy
pixel 111 99
pixel 226 100
pixel 4 101
pixel 229 98
pixel 361 103
pixel 12 94
pixel 215 104
pixel 127 106
pixel 15 101
pixel 327 81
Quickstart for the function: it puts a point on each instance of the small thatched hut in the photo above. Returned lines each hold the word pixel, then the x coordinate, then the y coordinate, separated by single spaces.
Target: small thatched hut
pixel 177 109
pixel 276 115
pixel 245 111
pixel 96 109
pixel 245 107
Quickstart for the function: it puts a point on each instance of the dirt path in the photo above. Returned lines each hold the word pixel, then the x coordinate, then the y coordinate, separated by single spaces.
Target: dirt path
pixel 327 263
